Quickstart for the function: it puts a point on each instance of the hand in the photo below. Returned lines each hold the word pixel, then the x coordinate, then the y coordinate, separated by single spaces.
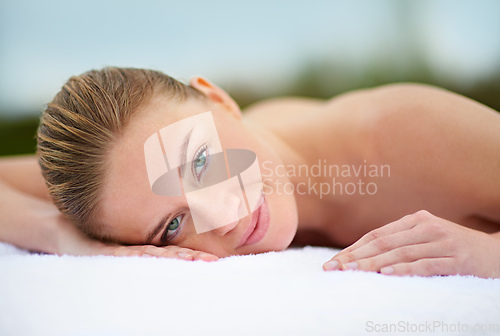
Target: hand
pixel 70 240
pixel 422 244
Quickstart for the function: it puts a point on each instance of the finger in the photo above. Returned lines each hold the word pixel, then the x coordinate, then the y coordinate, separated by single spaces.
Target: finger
pixel 405 223
pixel 188 254
pixel 199 255
pixel 385 244
pixel 138 250
pixel 162 252
pixel 376 247
pixel 181 253
pixel 423 267
pixel 125 251
pixel 171 252
pixel 403 254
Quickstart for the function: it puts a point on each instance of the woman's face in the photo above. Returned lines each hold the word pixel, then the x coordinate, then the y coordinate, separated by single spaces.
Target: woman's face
pixel 133 213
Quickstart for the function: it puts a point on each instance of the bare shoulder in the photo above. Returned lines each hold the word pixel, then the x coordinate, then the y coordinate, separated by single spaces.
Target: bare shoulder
pixel 435 114
pixel 428 99
pixel 23 173
pixel 275 109
pixel 443 142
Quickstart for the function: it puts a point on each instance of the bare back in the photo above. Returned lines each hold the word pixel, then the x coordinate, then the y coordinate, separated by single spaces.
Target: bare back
pixel 441 149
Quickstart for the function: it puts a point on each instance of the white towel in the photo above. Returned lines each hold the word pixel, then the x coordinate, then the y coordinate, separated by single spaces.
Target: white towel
pixel 277 293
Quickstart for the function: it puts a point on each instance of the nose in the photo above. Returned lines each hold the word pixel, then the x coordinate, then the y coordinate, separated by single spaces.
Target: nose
pixel 223 230
pixel 216 209
pixel 232 203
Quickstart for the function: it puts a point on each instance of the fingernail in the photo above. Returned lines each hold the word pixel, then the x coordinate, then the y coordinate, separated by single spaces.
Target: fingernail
pixel 387 270
pixel 148 255
pixel 331 265
pixel 352 265
pixel 184 255
pixel 208 257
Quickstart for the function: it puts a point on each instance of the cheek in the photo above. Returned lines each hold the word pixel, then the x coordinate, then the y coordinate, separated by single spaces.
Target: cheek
pixel 284 220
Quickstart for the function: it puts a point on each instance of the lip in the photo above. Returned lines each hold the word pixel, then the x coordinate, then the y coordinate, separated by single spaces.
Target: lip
pixel 258 225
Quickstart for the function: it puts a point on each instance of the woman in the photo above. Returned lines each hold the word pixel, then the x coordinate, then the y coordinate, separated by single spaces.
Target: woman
pixel 406 173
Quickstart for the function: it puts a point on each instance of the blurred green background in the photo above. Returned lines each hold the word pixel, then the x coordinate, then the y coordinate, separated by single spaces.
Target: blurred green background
pixel 254 51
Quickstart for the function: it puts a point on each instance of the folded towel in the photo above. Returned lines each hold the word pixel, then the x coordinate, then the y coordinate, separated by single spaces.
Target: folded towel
pixel 276 293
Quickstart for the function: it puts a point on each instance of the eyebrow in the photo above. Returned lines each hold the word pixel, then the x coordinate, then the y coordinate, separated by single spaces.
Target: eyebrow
pixel 182 158
pixel 157 229
pixel 183 152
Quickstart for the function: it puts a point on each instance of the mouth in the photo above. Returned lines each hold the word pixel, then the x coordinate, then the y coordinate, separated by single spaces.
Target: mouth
pixel 258 225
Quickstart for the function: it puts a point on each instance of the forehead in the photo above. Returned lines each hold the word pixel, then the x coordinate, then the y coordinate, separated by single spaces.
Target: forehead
pixel 127 201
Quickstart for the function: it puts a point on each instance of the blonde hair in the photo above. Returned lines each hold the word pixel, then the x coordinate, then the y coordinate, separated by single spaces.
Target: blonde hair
pixel 79 126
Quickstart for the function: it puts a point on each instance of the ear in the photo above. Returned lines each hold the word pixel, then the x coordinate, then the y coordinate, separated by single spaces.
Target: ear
pixel 216 95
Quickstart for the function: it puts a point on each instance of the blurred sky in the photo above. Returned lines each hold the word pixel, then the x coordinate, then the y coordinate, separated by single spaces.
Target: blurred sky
pixel 259 42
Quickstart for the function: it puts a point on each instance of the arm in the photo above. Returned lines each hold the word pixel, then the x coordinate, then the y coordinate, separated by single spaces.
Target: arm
pixel 25 207
pixel 445 149
pixel 31 221
pixel 423 244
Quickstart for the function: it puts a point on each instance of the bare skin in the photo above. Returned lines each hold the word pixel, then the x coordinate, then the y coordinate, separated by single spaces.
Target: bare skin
pixel 414 129
pixel 442 150
pixel 423 134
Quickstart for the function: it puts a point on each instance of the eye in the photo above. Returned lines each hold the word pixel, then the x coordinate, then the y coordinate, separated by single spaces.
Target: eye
pixel 200 162
pixel 172 228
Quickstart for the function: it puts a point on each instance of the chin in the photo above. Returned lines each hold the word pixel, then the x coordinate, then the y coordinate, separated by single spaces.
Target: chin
pixel 283 223
pixel 284 237
pixel 282 226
